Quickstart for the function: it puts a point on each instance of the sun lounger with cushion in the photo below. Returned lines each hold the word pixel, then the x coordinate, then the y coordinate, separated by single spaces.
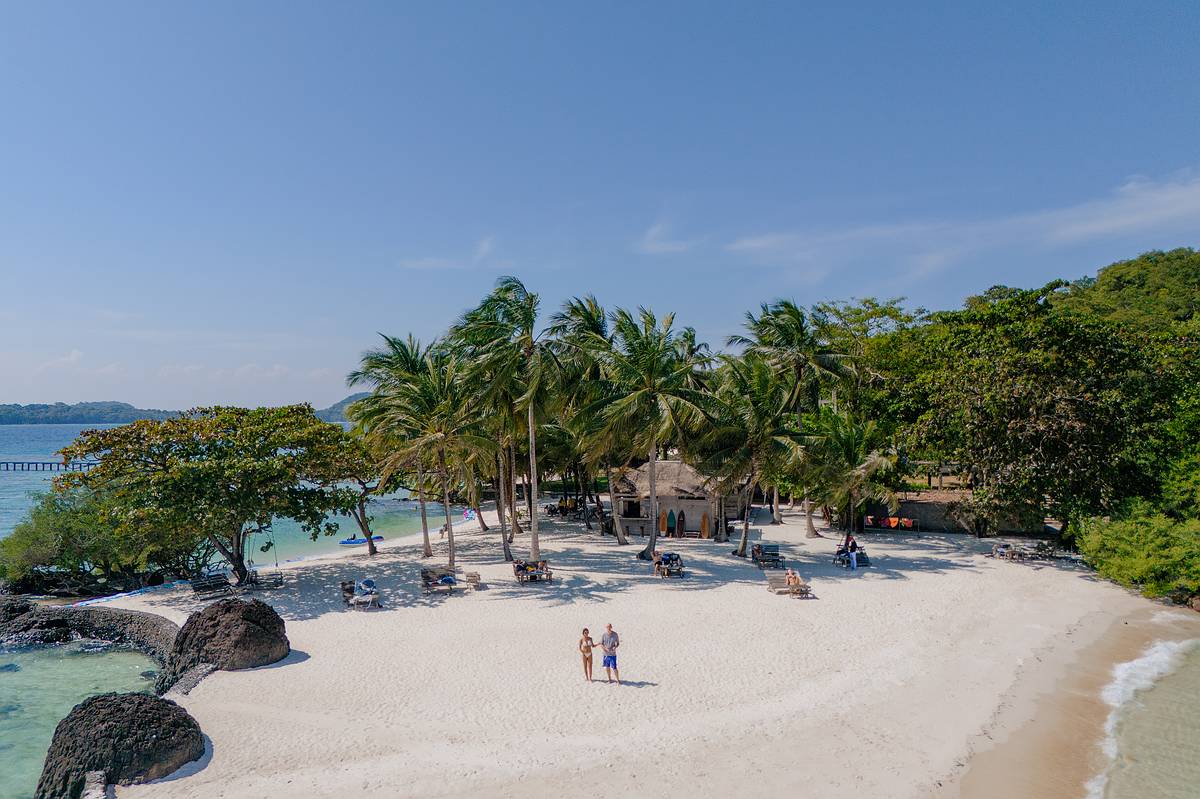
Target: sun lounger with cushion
pixel 438 580
pixel 531 571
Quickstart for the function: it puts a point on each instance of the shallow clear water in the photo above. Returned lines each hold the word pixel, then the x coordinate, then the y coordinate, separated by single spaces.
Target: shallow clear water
pixel 39 686
pixel 393 516
pixel 1157 737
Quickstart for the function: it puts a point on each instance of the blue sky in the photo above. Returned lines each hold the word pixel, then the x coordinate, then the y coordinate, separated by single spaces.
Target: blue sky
pixel 223 202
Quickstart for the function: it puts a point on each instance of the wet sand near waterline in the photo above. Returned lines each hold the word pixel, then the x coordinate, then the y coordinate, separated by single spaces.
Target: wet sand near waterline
pixel 1047 741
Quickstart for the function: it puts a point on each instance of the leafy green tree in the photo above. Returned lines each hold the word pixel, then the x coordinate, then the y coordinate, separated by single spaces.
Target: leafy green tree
pixel 224 473
pixel 1151 292
pixel 1041 403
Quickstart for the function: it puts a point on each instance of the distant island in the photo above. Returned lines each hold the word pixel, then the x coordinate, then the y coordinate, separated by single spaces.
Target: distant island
pixel 336 412
pixel 79 413
pixel 120 413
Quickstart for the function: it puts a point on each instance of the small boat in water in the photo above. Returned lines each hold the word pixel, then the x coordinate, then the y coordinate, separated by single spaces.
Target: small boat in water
pixel 358 542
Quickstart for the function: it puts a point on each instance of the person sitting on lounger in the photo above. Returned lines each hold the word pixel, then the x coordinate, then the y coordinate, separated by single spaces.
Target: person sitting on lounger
pixel 658 562
pixel 793 579
pixel 544 568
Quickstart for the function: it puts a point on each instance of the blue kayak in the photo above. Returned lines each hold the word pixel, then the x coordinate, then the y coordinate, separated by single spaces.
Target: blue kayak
pixel 358 542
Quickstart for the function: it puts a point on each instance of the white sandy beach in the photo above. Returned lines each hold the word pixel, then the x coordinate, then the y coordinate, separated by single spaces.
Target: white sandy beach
pixel 877 687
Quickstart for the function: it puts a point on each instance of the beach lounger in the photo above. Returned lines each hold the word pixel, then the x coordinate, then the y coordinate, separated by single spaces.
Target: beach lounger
pixel 671 565
pixel 347 591
pixel 777 584
pixel 531 572
pixel 842 558
pixel 766 556
pixel 213 584
pixel 438 580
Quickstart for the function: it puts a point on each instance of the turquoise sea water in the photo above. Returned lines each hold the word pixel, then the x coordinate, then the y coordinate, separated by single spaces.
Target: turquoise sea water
pixel 39 686
pixel 394 516
pixel 1153 740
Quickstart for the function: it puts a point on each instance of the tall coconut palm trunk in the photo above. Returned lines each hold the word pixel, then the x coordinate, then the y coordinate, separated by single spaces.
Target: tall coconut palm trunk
pixel 648 552
pixel 808 520
pixel 535 552
pixel 500 506
pixel 745 542
pixel 618 531
pixel 426 547
pixel 511 485
pixel 776 511
pixel 446 505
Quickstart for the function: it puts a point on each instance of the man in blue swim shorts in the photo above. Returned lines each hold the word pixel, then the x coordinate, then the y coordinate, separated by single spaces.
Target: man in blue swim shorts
pixel 609 643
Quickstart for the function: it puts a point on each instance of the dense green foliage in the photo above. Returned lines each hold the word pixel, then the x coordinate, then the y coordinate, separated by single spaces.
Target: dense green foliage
pixel 222 473
pixel 73 542
pixel 1151 292
pixel 1152 552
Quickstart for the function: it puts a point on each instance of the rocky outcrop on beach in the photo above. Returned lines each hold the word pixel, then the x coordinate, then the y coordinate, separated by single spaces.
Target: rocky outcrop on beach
pixel 130 737
pixel 231 634
pixel 23 623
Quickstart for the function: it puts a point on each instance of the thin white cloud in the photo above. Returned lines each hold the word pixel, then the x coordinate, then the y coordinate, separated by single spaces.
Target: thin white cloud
pixel 71 359
pixel 929 247
pixel 481 252
pixel 657 241
pixel 483 249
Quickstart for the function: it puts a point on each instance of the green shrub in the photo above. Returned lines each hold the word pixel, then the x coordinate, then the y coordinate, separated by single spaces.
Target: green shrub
pixel 1149 551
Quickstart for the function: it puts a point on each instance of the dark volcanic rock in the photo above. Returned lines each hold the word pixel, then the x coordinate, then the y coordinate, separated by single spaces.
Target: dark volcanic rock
pixel 1195 603
pixel 13 606
pixel 130 737
pixel 231 634
pixel 23 623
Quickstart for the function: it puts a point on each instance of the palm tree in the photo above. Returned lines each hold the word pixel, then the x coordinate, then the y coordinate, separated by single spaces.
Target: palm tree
pixel 579 333
pixel 648 392
pixel 431 411
pixel 512 358
pixel 393 364
pixel 851 457
pixel 756 435
pixel 784 336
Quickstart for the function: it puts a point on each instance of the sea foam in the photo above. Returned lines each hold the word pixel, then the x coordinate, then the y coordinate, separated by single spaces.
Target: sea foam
pixel 1129 679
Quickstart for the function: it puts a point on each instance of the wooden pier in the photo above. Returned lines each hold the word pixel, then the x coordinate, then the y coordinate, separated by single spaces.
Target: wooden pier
pixel 46 466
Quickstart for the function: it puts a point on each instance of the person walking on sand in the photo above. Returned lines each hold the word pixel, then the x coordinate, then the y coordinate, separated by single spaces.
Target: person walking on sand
pixel 609 643
pixel 852 552
pixel 585 648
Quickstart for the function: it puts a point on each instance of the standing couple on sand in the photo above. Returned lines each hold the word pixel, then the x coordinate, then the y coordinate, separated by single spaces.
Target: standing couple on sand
pixel 609 643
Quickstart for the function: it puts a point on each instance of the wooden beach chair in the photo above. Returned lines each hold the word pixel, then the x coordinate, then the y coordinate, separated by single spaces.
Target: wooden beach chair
pixel 777 584
pixel 767 556
pixel 264 581
pixel 211 585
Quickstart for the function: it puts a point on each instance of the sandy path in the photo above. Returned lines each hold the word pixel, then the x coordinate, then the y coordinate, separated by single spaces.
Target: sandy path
pixel 872 689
